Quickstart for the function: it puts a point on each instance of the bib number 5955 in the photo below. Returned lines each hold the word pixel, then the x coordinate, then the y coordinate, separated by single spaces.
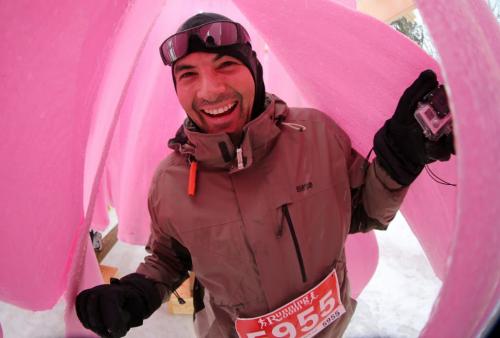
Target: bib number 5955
pixel 307 320
pixel 303 317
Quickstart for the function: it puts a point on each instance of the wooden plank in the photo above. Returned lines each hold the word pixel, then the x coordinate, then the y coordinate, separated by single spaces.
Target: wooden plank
pixel 185 291
pixel 107 243
pixel 175 308
pixel 108 272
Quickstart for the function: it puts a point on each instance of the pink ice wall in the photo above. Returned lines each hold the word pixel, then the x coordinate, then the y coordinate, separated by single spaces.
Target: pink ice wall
pixel 51 62
pixel 467 37
pixel 88 116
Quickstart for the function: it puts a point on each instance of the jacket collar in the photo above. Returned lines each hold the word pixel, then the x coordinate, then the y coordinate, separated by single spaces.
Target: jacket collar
pixel 218 151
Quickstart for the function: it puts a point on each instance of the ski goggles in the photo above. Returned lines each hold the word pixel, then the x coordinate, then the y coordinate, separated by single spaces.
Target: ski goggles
pixel 212 34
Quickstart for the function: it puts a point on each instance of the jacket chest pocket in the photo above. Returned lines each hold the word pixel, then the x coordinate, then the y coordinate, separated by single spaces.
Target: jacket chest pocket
pixel 317 226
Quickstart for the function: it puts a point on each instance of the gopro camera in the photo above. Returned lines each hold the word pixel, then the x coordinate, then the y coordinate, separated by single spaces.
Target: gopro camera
pixel 433 114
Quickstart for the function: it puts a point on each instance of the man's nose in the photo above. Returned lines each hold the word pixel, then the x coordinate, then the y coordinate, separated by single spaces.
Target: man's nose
pixel 211 86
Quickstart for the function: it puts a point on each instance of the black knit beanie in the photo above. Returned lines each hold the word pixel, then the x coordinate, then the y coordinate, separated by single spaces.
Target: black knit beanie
pixel 242 52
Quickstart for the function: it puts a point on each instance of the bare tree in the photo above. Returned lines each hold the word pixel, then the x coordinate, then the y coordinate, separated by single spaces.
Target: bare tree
pixel 410 28
pixel 417 32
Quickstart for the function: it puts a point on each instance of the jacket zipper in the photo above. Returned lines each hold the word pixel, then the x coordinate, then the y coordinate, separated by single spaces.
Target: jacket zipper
pixel 239 158
pixel 284 209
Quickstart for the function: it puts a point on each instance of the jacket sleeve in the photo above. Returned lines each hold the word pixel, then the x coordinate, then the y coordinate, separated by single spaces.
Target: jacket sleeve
pixel 168 262
pixel 375 196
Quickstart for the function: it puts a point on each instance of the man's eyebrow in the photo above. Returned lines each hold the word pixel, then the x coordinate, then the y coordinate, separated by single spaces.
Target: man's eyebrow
pixel 218 56
pixel 181 67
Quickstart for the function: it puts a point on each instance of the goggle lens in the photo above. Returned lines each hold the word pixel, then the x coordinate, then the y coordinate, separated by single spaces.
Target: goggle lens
pixel 213 34
pixel 218 34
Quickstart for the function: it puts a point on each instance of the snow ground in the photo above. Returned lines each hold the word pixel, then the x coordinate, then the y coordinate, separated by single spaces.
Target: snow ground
pixel 399 298
pixel 396 303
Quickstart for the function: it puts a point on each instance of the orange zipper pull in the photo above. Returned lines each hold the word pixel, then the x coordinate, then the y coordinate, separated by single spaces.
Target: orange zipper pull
pixel 192 178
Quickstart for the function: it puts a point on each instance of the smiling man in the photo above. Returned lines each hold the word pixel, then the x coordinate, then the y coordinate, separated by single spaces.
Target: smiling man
pixel 257 199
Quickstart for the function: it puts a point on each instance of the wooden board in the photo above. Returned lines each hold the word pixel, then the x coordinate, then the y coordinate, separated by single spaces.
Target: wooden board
pixel 108 272
pixel 185 291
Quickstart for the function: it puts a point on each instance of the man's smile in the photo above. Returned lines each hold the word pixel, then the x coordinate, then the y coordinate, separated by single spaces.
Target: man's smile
pixel 220 111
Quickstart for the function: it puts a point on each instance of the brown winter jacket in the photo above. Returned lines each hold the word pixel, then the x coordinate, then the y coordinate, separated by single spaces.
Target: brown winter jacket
pixel 259 236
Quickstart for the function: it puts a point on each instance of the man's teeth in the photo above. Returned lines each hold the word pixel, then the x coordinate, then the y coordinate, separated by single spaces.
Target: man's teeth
pixel 219 110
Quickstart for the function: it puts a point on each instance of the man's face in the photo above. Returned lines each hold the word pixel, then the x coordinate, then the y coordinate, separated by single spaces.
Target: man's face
pixel 216 91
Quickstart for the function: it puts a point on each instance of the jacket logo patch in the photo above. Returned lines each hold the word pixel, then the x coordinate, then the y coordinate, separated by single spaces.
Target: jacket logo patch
pixel 304 187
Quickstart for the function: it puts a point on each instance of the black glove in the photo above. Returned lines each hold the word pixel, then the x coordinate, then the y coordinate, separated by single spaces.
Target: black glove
pixel 401 147
pixel 111 310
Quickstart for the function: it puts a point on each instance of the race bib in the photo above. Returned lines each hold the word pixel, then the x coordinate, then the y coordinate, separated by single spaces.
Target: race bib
pixel 303 317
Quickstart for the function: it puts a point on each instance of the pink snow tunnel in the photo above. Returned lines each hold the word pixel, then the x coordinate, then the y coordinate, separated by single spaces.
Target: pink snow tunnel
pixel 87 107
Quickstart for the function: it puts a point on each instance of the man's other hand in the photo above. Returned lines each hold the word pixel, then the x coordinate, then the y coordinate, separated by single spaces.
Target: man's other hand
pixel 111 310
pixel 401 147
